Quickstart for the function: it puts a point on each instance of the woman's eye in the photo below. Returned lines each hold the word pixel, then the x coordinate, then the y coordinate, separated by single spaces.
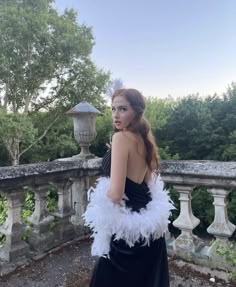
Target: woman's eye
pixel 119 109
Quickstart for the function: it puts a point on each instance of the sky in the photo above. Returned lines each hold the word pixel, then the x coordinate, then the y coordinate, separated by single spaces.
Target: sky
pixel 163 47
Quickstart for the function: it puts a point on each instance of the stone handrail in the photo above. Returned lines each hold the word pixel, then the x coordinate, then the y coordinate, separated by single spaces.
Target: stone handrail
pixel 74 177
pixel 219 178
pixel 46 230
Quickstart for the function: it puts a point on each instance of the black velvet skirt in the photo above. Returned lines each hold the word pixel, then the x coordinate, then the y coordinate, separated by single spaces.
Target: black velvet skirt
pixel 137 266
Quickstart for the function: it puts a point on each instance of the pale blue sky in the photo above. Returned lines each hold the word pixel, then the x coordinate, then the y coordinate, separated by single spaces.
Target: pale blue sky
pixel 163 47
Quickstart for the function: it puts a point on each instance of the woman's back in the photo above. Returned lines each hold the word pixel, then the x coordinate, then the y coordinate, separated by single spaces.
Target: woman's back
pixel 136 164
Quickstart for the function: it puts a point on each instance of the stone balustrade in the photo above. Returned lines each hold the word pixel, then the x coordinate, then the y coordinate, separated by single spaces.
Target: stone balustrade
pixel 45 230
pixel 219 178
pixel 73 178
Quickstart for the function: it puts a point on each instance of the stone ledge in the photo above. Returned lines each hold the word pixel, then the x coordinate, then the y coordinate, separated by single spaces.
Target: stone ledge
pixel 26 170
pixel 200 168
pixel 39 173
pixel 190 167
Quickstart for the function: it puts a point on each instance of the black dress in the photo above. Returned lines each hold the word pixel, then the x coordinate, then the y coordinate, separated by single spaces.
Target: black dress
pixel 137 266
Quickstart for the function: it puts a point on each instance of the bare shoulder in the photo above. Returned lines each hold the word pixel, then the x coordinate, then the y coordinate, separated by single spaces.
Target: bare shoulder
pixel 121 142
pixel 121 137
pixel 130 136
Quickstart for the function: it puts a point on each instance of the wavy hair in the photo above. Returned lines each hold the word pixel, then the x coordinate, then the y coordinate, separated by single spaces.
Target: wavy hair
pixel 141 125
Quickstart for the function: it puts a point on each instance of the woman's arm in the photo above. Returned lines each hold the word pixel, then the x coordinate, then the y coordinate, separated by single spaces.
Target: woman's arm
pixel 148 176
pixel 119 160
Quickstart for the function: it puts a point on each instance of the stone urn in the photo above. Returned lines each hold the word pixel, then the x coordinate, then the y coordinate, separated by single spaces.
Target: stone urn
pixel 84 120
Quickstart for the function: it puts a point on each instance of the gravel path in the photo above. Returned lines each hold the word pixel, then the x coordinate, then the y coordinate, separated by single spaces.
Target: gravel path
pixel 71 266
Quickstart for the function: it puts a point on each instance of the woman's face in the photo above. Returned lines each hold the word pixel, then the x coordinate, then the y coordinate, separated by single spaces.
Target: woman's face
pixel 122 113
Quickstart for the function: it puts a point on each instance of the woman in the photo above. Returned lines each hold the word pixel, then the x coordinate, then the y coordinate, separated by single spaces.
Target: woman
pixel 128 210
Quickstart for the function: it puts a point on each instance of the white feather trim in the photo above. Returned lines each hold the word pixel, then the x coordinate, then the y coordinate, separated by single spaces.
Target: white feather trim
pixel 106 218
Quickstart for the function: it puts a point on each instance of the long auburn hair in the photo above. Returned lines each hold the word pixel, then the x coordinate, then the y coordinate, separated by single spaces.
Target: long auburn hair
pixel 141 125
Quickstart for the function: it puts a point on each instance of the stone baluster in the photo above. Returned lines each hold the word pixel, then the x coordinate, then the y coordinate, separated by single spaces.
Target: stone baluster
pixel 41 238
pixel 65 229
pixel 221 227
pixel 79 200
pixel 186 243
pixel 14 249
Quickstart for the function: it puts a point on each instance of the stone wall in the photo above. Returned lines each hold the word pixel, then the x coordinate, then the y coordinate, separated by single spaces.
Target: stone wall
pixel 73 178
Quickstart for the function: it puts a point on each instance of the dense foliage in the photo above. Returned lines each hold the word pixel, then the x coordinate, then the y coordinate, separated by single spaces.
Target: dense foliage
pixel 45 66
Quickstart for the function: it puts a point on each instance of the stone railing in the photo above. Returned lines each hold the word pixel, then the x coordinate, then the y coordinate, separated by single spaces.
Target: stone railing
pixel 46 230
pixel 219 178
pixel 74 177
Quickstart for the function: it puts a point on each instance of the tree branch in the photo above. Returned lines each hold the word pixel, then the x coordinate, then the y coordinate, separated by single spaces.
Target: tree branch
pixel 61 89
pixel 7 145
pixel 38 139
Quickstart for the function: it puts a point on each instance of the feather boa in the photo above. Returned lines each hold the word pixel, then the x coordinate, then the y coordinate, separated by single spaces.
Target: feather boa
pixel 106 218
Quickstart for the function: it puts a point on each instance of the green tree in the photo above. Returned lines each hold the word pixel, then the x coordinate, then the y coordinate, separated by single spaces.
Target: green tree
pixel 188 131
pixel 58 142
pixel 104 133
pixel 45 60
pixel 158 112
pixel 4 156
pixel 230 147
pixel 16 131
pixel 223 110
